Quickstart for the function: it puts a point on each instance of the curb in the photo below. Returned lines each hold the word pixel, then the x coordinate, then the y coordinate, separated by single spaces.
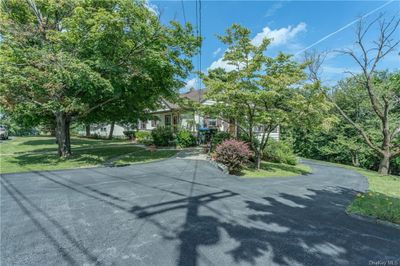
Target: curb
pixel 372 219
pixel 219 166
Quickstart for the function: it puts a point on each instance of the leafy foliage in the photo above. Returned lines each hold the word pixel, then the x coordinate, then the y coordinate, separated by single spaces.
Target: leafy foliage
pixel 185 138
pixel 260 92
pixel 340 141
pixel 129 133
pixel 142 136
pixel 162 136
pixel 67 59
pixel 232 153
pixel 219 137
pixel 280 152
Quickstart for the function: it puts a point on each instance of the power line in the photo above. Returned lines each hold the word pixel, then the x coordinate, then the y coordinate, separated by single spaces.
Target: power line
pixel 183 11
pixel 199 36
pixel 200 21
pixel 345 27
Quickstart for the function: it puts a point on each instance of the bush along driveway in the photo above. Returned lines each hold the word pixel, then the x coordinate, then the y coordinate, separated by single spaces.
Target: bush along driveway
pixel 187 212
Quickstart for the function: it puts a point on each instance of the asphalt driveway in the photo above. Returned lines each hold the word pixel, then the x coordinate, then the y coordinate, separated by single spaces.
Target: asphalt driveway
pixel 186 212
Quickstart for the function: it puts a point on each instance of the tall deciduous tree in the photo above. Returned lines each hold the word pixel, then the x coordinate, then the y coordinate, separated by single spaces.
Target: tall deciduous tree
pixel 261 93
pixel 70 58
pixel 382 94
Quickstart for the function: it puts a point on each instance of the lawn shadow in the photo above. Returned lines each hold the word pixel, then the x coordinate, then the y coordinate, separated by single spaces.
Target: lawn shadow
pixel 79 158
pixel 275 167
pixel 285 167
pixel 75 142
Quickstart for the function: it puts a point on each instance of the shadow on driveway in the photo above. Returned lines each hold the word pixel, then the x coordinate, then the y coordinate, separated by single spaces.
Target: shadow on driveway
pixel 207 218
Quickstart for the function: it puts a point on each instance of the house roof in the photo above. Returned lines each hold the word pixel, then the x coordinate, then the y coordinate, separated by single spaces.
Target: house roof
pixel 194 95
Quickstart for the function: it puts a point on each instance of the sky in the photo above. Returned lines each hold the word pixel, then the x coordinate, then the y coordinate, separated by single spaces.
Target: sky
pixel 294 26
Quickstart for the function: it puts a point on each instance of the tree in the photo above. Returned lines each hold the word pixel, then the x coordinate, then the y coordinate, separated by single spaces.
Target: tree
pixel 382 94
pixel 74 58
pixel 260 93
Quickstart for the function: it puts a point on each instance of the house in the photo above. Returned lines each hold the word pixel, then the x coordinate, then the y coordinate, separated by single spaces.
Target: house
pixel 103 130
pixel 177 117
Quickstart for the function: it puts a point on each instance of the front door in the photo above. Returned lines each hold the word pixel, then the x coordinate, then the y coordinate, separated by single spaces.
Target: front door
pixel 175 121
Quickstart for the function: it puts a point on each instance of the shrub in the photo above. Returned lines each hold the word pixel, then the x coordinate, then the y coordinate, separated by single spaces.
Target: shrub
pixel 244 137
pixel 143 136
pixel 162 136
pixel 279 152
pixel 219 137
pixel 232 153
pixel 185 139
pixel 129 133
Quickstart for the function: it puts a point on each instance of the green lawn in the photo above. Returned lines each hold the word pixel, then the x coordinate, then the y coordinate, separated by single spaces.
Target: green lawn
pixel 269 169
pixel 382 199
pixel 47 144
pixel 39 153
pixel 145 156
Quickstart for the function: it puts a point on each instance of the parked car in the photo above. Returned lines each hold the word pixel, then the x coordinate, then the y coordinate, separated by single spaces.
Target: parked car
pixel 3 132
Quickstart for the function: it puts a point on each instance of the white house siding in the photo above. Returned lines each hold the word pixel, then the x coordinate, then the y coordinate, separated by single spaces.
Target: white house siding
pixel 104 130
pixel 273 135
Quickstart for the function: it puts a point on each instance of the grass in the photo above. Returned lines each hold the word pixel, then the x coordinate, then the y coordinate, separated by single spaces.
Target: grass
pixel 382 200
pixel 47 144
pixel 39 153
pixel 269 169
pixel 377 205
pixel 145 156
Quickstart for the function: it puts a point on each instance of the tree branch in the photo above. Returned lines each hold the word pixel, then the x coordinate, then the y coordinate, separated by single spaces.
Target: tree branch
pixel 359 128
pixel 98 105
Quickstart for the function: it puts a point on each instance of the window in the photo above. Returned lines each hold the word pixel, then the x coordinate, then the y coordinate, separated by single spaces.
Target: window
pixel 276 130
pixel 167 120
pixel 175 120
pixel 212 122
pixel 143 125
pixel 154 122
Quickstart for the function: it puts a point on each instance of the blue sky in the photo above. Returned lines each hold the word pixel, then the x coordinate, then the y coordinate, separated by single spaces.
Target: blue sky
pixel 294 25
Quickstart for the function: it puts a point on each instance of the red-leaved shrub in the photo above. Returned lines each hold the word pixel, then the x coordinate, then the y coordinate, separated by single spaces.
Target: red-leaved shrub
pixel 232 153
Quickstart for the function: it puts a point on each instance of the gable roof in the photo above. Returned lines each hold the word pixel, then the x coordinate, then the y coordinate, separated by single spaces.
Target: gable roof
pixel 194 95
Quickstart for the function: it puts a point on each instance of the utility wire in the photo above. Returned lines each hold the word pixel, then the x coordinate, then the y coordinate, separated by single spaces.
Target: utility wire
pixel 199 36
pixel 183 11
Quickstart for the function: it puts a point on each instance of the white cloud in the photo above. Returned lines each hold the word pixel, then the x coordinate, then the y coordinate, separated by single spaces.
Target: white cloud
pixel 280 36
pixel 191 83
pixel 216 52
pixel 220 63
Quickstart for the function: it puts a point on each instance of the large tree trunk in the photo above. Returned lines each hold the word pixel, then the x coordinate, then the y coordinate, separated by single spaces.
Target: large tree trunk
pixel 87 127
pixel 111 130
pixel 354 159
pixel 384 164
pixel 258 159
pixel 63 136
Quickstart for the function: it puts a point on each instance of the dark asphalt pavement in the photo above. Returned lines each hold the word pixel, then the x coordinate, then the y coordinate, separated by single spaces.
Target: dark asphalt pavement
pixel 186 212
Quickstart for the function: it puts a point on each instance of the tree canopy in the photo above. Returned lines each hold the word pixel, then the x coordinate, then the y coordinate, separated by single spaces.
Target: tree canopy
pixel 71 58
pixel 261 92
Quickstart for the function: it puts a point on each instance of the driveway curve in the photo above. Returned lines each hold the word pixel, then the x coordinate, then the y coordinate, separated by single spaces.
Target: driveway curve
pixel 186 212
